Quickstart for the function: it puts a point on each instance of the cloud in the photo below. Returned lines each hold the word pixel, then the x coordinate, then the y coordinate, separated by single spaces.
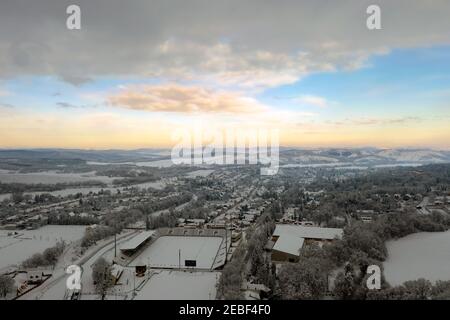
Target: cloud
pixel 67 105
pixel 313 100
pixel 4 93
pixel 183 99
pixel 237 43
pixel 375 121
pixel 6 105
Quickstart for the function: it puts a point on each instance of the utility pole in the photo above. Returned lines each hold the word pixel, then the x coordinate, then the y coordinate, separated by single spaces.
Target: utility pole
pixel 134 284
pixel 179 258
pixel 226 241
pixel 115 243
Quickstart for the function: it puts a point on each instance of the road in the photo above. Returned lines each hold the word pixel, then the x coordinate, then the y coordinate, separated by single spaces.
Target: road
pixel 423 206
pixel 55 287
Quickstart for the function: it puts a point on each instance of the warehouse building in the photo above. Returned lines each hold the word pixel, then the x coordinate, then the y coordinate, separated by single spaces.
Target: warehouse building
pixel 288 240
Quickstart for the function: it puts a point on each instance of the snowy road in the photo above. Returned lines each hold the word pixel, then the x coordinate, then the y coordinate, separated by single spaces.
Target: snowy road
pixel 55 287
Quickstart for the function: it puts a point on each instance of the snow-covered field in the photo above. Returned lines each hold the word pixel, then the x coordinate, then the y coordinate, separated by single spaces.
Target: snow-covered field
pixel 154 184
pixel 51 177
pixel 15 249
pixel 165 251
pixel 420 255
pixel 199 173
pixel 85 190
pixel 155 163
pixel 5 196
pixel 393 165
pixel 180 285
pixel 316 165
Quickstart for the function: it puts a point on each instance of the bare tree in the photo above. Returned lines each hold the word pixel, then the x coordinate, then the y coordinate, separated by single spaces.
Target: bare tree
pixel 6 285
pixel 101 274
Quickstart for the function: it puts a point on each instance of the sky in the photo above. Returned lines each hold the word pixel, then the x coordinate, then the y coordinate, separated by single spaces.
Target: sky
pixel 139 70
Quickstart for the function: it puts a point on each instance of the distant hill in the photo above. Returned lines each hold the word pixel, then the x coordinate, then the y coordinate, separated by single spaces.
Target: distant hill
pixel 355 156
pixel 368 156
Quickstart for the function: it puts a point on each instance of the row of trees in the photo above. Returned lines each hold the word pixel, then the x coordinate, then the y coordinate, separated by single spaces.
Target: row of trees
pixel 20 188
pixel 351 284
pixel 168 220
pixel 307 279
pixel 249 262
pixel 368 239
pixel 420 289
pixel 230 283
pixel 260 264
pixel 66 219
pixel 92 235
pixel 166 203
pixel 394 180
pixel 47 258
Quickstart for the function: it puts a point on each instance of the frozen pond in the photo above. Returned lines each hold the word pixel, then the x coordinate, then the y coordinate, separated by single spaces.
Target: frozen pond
pixel 15 249
pixel 420 255
pixel 179 285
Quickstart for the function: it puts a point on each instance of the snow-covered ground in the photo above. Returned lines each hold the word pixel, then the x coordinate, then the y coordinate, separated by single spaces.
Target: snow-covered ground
pixel 51 177
pixel 165 251
pixel 316 165
pixel 15 249
pixel 155 163
pixel 55 287
pixel 393 165
pixel 420 255
pixel 5 196
pixel 85 190
pixel 314 158
pixel 180 285
pixel 199 173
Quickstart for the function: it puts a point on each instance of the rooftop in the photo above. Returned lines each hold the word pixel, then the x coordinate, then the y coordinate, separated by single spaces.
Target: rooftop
pixel 308 232
pixel 289 244
pixel 136 241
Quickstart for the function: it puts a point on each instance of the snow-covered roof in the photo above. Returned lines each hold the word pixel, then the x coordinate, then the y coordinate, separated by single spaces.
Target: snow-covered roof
pixel 289 244
pixel 308 232
pixel 134 242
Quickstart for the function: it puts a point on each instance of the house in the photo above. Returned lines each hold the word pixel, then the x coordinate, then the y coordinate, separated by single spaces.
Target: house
pixel 366 219
pixel 13 218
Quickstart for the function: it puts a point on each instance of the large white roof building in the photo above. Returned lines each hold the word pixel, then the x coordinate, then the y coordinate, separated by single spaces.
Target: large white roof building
pixel 289 239
pixel 136 241
pixel 308 232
